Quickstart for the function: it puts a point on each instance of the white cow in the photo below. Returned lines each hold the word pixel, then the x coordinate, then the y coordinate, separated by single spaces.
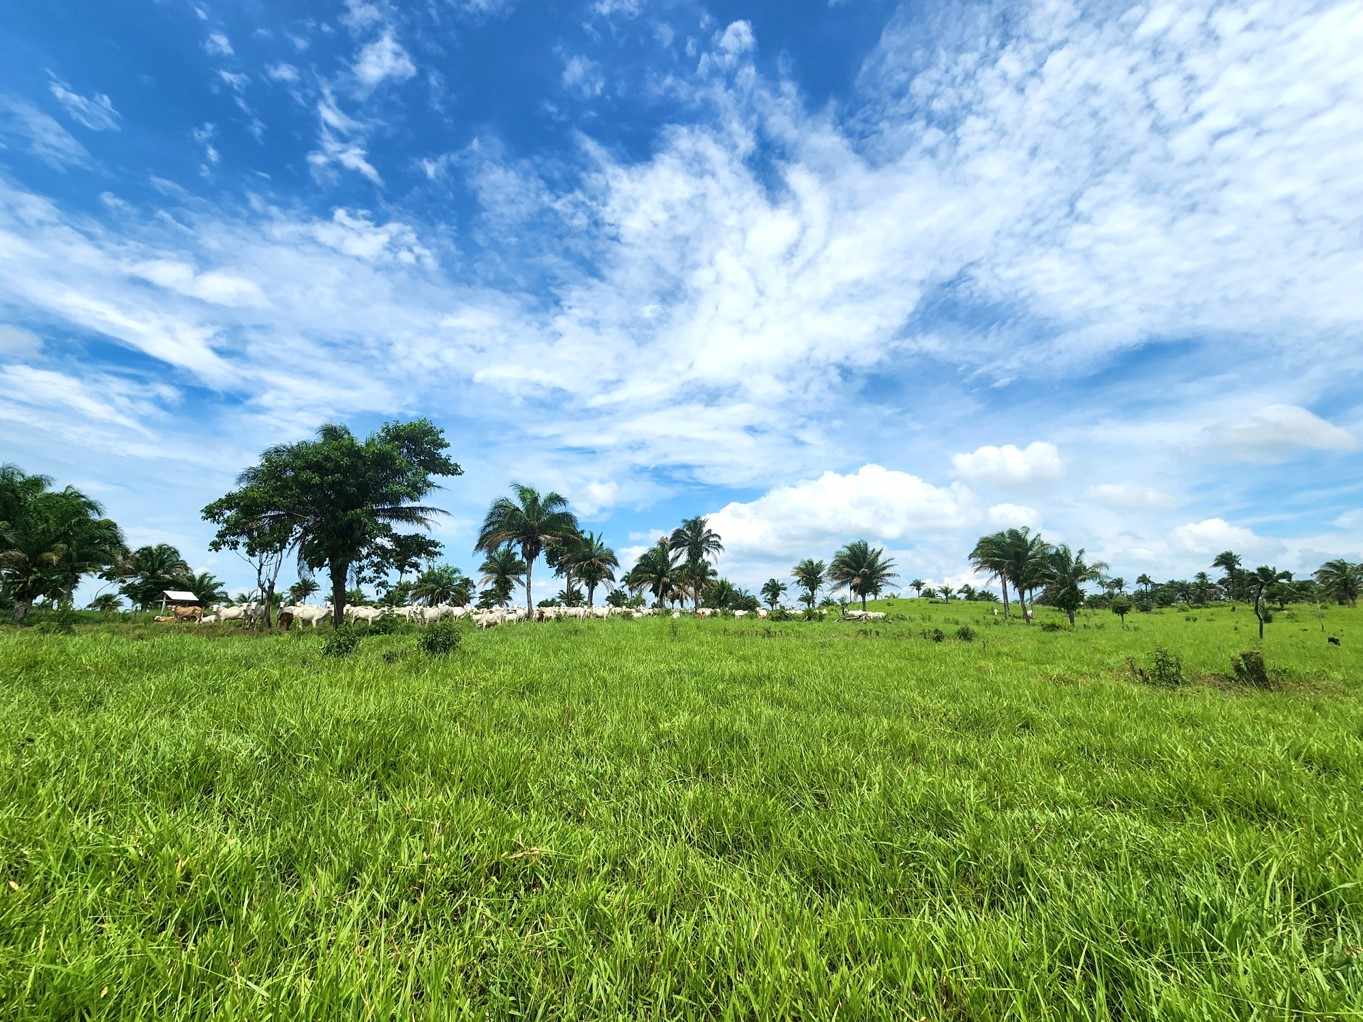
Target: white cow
pixel 762 612
pixel 740 613
pixel 366 614
pixel 302 613
pixel 706 612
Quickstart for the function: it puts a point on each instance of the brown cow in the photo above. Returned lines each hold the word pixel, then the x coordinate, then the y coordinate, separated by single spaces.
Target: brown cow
pixel 195 614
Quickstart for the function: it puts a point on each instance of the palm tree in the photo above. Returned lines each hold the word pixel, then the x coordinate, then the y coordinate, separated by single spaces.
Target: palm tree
pixel 149 571
pixel 207 589
pixel 106 603
pixel 1229 562
pixel 990 556
pixel 302 589
pixel 967 592
pixel 595 563
pixel 50 539
pixel 1066 573
pixel 698 542
pixel 1146 581
pixel 861 570
pixel 1340 580
pixel 809 576
pixel 1024 563
pixel 532 521
pixel 1202 587
pixel 772 591
pixel 659 572
pixel 918 585
pixel 946 593
pixel 502 569
pixel 440 585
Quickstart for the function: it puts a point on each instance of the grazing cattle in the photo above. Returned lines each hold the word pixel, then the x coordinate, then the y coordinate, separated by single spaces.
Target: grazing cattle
pixel 875 615
pixel 165 619
pixel 676 614
pixel 195 614
pixel 302 613
pixel 740 613
pixel 762 612
pixel 706 612
pixel 366 614
pixel 209 619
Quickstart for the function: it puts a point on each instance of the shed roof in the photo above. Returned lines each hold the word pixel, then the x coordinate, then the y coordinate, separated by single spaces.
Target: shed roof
pixel 179 596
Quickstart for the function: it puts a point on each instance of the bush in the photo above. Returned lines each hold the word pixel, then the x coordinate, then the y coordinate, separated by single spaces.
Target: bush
pixel 965 633
pixel 936 635
pixel 440 639
pixel 1049 626
pixel 1248 669
pixel 780 614
pixel 59 620
pixel 342 642
pixel 1165 670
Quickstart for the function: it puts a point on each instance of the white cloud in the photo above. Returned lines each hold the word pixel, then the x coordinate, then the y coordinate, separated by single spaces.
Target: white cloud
pixel 1212 535
pixel 16 342
pixel 361 14
pixel 1010 516
pixel 1350 520
pixel 1010 465
pixel 213 287
pixel 95 112
pixel 625 8
pixel 1275 432
pixel 41 134
pixel 873 503
pixel 383 59
pixel 282 72
pixel 737 39
pixel 235 80
pixel 1130 496
pixel 218 45
pixel 583 76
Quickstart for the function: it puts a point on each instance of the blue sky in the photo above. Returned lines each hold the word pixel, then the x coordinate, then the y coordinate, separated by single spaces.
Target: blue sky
pixel 822 270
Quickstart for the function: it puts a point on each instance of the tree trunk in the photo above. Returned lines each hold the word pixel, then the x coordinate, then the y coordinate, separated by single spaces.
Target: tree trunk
pixel 591 597
pixel 863 603
pixel 1003 582
pixel 21 609
pixel 269 605
pixel 1070 615
pixel 529 599
pixel 338 577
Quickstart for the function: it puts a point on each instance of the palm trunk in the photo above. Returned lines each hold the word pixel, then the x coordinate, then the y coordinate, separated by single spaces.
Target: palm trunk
pixel 1003 582
pixel 338 577
pixel 21 609
pixel 529 598
pixel 863 603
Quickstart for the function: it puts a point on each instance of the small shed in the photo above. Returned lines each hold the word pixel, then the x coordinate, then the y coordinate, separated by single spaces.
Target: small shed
pixel 178 598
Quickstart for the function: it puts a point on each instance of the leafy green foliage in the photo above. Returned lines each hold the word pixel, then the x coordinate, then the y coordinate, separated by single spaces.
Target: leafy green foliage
pixel 1248 669
pixel 528 521
pixel 1164 670
pixel 861 569
pixel 342 642
pixel 439 639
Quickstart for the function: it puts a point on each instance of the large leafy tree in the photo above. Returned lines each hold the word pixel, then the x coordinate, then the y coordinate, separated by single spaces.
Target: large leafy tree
pixel 531 521
pixel 149 571
pixel 772 591
pixel 338 499
pixel 1340 581
pixel 810 576
pixel 595 563
pixel 861 569
pixel 49 540
pixel 1066 573
pixel 658 571
pixel 697 543
pixel 501 571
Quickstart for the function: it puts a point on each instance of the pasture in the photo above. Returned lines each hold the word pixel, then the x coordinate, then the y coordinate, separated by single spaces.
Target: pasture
pixel 690 819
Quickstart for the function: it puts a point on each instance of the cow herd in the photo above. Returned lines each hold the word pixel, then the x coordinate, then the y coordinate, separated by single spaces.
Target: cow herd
pixel 304 614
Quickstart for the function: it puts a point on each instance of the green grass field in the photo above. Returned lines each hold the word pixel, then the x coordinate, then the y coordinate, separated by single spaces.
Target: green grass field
pixel 691 819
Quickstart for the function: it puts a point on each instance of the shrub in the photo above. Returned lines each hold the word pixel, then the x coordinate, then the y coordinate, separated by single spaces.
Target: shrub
pixel 1049 626
pixel 60 620
pixel 780 614
pixel 936 635
pixel 386 625
pixel 965 633
pixel 342 642
pixel 1165 670
pixel 440 639
pixel 1248 669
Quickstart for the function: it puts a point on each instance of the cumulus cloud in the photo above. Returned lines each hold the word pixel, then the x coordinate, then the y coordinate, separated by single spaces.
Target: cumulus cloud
pixel 874 502
pixel 95 112
pixel 1212 535
pixel 1012 516
pixel 282 72
pixel 1010 465
pixel 1275 432
pixel 382 60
